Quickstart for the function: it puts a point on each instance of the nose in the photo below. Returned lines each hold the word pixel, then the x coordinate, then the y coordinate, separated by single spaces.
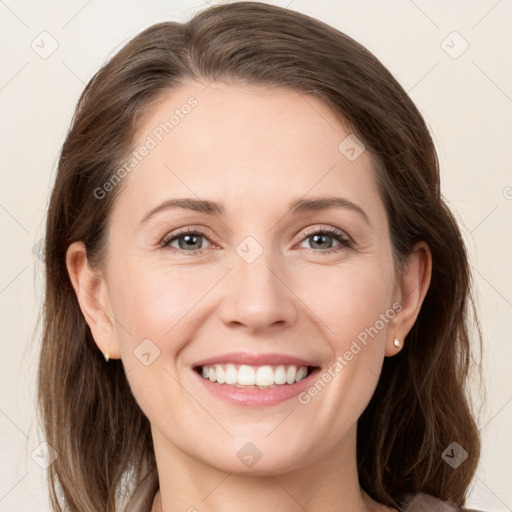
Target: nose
pixel 257 296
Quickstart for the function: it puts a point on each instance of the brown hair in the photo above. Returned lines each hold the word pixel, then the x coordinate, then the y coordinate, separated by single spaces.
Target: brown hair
pixel 421 404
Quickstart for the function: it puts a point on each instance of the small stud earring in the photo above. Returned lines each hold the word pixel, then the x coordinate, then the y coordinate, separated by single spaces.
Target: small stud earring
pixel 396 342
pixel 106 355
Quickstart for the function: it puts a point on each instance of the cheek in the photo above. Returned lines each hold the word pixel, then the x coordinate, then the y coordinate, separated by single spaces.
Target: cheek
pixel 153 301
pixel 351 302
pixel 154 308
pixel 354 312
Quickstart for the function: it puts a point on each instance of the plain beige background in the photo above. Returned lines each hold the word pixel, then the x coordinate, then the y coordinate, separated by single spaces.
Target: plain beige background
pixel 452 57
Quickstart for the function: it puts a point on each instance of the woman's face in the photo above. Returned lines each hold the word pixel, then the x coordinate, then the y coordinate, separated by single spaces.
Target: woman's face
pixel 255 291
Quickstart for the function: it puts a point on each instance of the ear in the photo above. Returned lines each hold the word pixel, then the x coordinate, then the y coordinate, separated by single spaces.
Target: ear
pixel 92 294
pixel 413 285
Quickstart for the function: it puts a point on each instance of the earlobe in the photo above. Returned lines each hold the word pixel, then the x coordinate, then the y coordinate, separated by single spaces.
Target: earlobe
pixel 92 295
pixel 413 286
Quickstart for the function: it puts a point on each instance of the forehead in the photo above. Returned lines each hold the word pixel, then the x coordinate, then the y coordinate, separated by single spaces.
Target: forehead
pixel 246 145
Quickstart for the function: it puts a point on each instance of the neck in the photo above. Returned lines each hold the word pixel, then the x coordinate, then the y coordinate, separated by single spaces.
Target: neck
pixel 328 484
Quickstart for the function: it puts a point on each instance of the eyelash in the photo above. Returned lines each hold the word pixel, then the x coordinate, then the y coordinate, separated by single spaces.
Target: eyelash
pixel 345 241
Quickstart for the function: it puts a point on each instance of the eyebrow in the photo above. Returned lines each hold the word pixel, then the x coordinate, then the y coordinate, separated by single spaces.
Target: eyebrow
pixel 297 206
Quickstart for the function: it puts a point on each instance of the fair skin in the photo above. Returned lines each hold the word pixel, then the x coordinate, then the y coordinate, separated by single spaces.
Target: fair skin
pixel 254 151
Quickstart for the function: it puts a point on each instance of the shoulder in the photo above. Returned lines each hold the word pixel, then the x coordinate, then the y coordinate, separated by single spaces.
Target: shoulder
pixel 422 502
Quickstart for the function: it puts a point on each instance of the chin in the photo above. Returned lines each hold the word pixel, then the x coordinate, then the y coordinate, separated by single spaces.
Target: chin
pixel 258 457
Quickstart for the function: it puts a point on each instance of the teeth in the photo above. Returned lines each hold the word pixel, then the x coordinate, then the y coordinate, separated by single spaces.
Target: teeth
pixel 221 374
pixel 265 376
pixel 260 376
pixel 246 376
pixel 280 375
pixel 231 374
pixel 291 373
pixel 301 373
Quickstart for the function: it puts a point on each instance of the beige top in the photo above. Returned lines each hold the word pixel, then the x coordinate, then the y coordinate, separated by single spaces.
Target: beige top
pixel 142 501
pixel 422 502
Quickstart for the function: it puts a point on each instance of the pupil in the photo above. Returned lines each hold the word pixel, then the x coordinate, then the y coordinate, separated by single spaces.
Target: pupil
pixel 189 240
pixel 316 237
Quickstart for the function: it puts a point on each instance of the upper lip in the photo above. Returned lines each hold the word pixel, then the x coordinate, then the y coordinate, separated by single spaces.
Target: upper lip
pixel 254 359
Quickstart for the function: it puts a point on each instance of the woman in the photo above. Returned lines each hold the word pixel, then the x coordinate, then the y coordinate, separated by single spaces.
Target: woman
pixel 201 349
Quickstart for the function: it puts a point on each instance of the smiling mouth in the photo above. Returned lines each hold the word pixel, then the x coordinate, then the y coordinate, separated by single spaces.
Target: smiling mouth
pixel 255 377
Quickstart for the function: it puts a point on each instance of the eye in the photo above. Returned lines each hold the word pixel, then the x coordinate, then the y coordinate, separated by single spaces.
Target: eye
pixel 188 240
pixel 322 238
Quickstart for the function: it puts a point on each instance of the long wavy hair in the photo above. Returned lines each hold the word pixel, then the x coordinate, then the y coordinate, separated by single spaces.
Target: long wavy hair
pixel 422 402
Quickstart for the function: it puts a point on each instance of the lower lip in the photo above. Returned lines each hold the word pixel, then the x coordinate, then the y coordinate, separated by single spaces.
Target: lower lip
pixel 255 397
